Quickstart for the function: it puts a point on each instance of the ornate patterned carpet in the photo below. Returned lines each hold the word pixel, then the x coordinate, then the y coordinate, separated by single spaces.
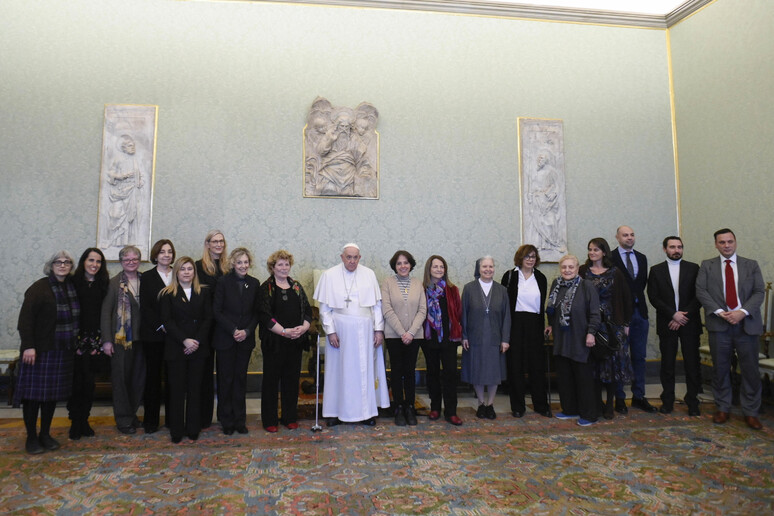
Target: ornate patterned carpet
pixel 637 464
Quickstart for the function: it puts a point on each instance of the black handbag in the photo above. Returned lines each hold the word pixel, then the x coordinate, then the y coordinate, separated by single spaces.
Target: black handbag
pixel 605 343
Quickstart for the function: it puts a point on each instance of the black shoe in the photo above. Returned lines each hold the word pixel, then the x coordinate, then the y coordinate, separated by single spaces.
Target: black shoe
pixel 137 423
pixel 608 412
pixel 370 421
pixel 411 416
pixel 127 430
pixel 75 431
pixel 490 412
pixel 642 404
pixel 241 429
pixel 193 437
pixel 228 430
pixel 333 421
pixel 177 438
pixel 151 429
pixel 400 416
pixel 481 412
pixel 666 409
pixel 517 414
pixel 48 442
pixel 694 411
pixel 33 446
pixel 620 406
pixel 86 430
pixel 546 413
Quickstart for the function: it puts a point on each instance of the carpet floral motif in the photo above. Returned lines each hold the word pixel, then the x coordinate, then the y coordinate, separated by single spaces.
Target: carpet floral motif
pixel 638 464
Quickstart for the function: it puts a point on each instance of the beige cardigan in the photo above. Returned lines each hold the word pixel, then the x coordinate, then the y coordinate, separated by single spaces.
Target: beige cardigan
pixel 401 316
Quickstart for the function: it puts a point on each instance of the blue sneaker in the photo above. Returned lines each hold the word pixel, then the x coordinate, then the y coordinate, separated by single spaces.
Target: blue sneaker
pixel 562 415
pixel 585 422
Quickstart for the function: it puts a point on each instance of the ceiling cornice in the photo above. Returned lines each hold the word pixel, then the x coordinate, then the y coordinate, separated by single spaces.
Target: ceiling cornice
pixel 509 10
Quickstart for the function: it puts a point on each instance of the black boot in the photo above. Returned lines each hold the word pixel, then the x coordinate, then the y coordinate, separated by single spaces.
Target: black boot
pixel 411 415
pixel 610 405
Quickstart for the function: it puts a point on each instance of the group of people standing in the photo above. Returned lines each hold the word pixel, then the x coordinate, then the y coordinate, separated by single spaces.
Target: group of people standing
pixel 176 318
pixel 165 323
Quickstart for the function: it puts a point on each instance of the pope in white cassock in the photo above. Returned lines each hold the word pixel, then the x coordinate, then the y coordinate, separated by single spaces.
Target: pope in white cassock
pixel 351 312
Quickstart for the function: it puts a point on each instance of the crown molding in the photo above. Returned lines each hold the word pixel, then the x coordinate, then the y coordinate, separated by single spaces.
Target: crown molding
pixel 512 10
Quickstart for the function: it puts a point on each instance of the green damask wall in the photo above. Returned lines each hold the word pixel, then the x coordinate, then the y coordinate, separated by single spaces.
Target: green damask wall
pixel 724 87
pixel 233 82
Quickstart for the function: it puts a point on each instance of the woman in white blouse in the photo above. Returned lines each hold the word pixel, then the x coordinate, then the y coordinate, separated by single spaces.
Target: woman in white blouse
pixel 527 288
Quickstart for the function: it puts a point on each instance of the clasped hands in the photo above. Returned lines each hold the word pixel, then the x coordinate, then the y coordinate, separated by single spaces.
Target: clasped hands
pixel 732 317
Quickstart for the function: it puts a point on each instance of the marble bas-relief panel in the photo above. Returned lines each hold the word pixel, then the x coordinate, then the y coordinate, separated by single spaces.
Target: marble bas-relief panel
pixel 341 151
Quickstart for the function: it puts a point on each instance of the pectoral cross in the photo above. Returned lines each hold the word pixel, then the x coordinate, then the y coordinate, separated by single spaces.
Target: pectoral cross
pixel 347 301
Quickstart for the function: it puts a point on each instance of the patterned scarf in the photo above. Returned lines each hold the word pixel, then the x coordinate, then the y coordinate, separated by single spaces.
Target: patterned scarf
pixel 295 286
pixel 124 335
pixel 67 313
pixel 434 316
pixel 564 304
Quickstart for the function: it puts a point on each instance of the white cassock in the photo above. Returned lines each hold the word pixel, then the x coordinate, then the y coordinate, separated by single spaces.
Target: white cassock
pixel 355 380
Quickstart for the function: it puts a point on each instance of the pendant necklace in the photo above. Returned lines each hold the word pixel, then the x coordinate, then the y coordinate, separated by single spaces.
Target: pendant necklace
pixel 348 290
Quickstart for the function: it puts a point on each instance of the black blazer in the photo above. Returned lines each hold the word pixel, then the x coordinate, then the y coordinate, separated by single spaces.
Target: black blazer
pixel 511 282
pixel 150 310
pixel 185 319
pixel 235 307
pixel 636 285
pixel 662 296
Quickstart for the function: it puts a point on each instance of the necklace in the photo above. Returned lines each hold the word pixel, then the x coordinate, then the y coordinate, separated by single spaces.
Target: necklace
pixel 404 284
pixel 487 299
pixel 348 300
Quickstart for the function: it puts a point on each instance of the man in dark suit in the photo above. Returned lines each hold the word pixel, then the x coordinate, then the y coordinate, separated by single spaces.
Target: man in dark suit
pixel 731 290
pixel 635 268
pixel 672 292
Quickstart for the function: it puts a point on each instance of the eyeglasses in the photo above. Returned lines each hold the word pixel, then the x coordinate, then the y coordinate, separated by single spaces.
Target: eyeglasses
pixel 530 257
pixel 63 263
pixel 131 260
pixel 217 242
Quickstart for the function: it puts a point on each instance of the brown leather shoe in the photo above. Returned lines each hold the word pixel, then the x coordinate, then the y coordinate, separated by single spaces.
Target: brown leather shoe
pixel 753 422
pixel 720 417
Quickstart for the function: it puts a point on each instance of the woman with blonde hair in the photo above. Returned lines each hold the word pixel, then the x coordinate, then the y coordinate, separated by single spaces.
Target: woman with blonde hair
pixel 285 317
pixel 209 269
pixel 236 316
pixel 186 310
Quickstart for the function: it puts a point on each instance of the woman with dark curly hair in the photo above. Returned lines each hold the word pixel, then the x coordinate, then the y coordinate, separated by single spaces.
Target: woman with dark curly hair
pixel 91 283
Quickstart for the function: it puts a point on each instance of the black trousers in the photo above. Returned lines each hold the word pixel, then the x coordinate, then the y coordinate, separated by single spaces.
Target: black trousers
pixel 207 396
pixel 185 387
pixel 281 369
pixel 82 398
pixel 154 366
pixel 403 365
pixel 527 354
pixel 689 343
pixel 232 384
pixel 576 387
pixel 441 385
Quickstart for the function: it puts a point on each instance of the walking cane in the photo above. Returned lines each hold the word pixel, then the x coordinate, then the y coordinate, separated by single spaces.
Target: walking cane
pixel 548 368
pixel 317 427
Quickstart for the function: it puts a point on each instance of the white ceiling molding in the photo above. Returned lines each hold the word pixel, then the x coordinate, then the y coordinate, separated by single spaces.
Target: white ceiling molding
pixel 516 10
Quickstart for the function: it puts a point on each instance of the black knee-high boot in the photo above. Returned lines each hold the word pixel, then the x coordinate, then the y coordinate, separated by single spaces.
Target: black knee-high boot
pixel 609 406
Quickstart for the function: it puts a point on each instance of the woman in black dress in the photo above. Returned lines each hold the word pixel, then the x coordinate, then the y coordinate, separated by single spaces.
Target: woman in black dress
pixel 186 310
pixel 285 317
pixel 236 316
pixel 48 327
pixel 212 266
pixel 91 283
pixel 152 331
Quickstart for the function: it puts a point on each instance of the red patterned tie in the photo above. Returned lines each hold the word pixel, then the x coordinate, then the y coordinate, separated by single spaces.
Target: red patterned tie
pixel 731 300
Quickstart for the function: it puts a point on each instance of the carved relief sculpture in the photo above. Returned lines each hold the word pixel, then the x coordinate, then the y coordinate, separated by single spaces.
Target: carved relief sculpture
pixel 542 180
pixel 341 151
pixel 126 178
